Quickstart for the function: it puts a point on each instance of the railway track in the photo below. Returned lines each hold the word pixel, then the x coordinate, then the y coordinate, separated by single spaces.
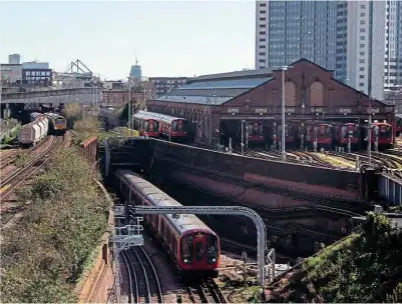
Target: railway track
pixel 144 284
pixel 301 157
pixel 11 211
pixel 9 184
pixel 8 159
pixel 206 291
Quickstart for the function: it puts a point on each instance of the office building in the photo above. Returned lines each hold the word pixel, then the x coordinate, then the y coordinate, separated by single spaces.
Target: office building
pixel 14 59
pixel 10 73
pixel 350 37
pixel 136 71
pixel 393 45
pixel 165 84
pixel 36 73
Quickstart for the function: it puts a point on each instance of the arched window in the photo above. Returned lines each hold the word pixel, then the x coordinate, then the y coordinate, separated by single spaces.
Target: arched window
pixel 290 94
pixel 317 94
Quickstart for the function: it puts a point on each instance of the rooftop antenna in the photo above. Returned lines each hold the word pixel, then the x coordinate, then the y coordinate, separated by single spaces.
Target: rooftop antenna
pixel 135 55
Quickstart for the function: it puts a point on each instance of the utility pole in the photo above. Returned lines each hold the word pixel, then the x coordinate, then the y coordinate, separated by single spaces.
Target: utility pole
pixel 369 132
pixel 242 137
pixel 283 139
pixel 129 105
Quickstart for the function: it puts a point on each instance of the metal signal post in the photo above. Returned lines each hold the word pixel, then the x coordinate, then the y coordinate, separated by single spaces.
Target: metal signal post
pixel 369 133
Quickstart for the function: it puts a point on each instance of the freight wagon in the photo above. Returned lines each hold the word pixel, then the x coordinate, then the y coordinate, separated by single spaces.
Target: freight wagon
pixel 34 132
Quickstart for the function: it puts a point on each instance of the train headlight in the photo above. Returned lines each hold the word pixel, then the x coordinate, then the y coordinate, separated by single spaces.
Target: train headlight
pixel 214 260
pixel 185 261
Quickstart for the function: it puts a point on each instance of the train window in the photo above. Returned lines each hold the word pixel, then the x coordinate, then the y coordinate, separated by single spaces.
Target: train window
pixel 385 131
pixel 212 249
pixel 199 251
pixel 151 126
pixel 145 125
pixel 186 249
pixel 174 126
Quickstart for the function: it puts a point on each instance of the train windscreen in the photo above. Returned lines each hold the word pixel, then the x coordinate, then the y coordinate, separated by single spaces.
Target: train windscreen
pixel 212 249
pixel 255 129
pixel 186 249
pixel 383 131
pixel 199 250
pixel 323 131
pixel 179 125
pixel 150 125
pixel 349 131
pixel 59 121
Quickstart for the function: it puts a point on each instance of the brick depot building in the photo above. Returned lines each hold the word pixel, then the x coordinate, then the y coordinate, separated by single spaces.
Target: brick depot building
pixel 311 92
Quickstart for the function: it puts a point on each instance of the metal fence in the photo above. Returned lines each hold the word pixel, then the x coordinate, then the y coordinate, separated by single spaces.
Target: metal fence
pixel 390 189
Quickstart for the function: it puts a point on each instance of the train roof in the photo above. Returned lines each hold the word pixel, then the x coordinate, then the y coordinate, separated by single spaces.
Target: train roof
pixel 143 115
pixel 53 115
pixel 183 223
pixel 159 116
pixel 381 124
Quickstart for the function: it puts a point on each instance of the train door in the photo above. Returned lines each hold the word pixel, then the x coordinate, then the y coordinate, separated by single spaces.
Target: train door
pixel 199 251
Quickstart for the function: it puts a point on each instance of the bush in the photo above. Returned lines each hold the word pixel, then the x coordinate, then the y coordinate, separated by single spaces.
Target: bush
pixel 72 113
pixel 365 268
pixel 43 259
pixel 138 105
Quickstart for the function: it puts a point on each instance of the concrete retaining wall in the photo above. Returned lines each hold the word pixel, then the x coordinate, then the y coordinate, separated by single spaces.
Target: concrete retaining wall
pixel 313 181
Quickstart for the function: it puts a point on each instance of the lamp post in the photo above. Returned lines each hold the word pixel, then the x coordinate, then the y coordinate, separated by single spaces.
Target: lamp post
pixel 242 137
pixel 283 139
pixel 129 105
pixel 369 132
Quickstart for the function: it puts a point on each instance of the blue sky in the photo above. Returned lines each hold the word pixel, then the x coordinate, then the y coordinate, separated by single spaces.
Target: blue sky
pixel 170 38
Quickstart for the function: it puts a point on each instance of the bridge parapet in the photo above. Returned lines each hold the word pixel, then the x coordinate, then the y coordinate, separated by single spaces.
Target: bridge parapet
pixel 80 95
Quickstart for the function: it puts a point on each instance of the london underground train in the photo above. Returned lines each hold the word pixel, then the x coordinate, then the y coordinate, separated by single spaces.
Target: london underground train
pixel 145 124
pixel 192 245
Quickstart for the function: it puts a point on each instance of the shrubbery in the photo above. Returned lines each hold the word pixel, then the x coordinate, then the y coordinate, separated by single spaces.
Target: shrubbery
pixel 44 255
pixel 365 268
pixel 72 113
pixel 83 129
pixel 137 105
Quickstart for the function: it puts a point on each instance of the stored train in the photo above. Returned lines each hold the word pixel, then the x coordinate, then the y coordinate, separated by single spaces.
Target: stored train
pixel 160 125
pixel 381 134
pixel 398 124
pixel 324 134
pixel 191 244
pixel 145 124
pixel 32 133
pixel 57 123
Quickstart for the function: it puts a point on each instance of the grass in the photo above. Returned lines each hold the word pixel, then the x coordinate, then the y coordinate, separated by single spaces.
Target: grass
pixel 44 259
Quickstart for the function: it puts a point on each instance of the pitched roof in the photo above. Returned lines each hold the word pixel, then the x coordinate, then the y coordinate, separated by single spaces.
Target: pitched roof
pixel 213 92
pixel 235 74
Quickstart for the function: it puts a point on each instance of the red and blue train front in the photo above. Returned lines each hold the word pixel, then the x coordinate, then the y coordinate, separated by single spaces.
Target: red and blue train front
pixel 150 127
pixel 199 253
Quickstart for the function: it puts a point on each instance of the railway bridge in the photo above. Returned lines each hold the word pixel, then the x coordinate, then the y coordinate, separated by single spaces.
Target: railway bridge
pixel 27 100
